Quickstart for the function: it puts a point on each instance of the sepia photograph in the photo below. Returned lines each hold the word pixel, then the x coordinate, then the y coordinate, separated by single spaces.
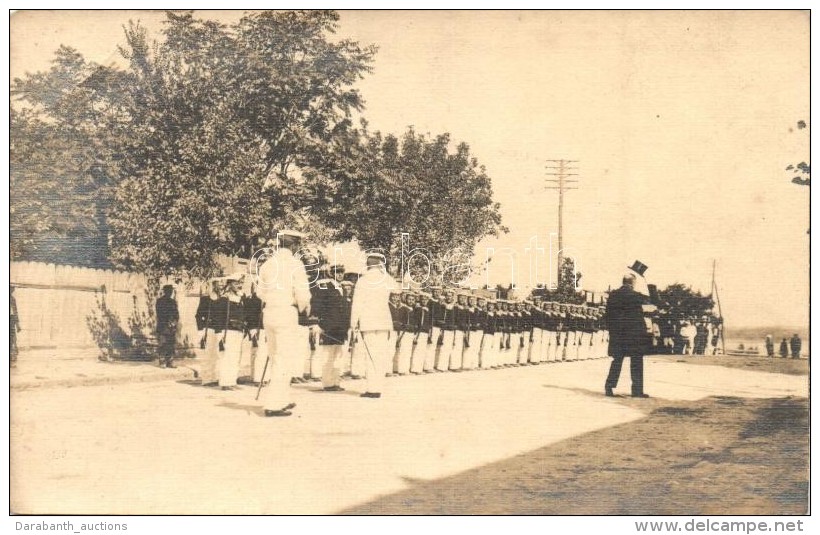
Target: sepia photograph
pixel 410 262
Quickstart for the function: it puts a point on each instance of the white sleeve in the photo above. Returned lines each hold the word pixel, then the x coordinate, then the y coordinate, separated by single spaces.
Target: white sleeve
pixel 299 281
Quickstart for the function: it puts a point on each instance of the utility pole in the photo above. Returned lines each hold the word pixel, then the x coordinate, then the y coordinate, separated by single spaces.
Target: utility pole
pixel 561 169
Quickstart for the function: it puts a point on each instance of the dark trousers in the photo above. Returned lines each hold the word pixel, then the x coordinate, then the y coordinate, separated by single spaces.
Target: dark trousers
pixel 635 371
pixel 166 345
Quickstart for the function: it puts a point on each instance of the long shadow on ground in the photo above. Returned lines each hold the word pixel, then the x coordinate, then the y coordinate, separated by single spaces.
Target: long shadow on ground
pixel 720 455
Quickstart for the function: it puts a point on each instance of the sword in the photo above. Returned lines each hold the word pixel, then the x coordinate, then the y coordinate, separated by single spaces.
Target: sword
pixel 262 379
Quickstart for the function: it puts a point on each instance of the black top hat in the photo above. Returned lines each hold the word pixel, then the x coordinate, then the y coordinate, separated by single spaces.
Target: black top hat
pixel 639 267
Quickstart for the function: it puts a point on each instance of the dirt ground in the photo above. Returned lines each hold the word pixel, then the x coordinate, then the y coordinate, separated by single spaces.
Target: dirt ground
pixel 537 439
pixel 717 455
pixel 788 366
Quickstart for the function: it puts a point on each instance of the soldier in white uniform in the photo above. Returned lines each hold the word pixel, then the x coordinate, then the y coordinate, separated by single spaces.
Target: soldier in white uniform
pixel 283 286
pixel 370 316
pixel 206 317
pixel 234 331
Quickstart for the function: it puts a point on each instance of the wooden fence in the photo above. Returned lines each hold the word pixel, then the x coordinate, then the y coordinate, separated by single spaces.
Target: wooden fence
pixel 55 302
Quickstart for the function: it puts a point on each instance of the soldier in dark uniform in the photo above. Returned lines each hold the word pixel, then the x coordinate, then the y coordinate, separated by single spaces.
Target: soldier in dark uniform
pixel 235 328
pixel 436 306
pixel 478 320
pixel 461 317
pixel 356 365
pixel 627 335
pixel 536 322
pixel 448 331
pixel 421 336
pixel 333 316
pixel 253 329
pixel 527 333
pixel 167 321
pixel 502 327
pixel 408 329
pixel 489 349
pixel 395 306
pixel 212 314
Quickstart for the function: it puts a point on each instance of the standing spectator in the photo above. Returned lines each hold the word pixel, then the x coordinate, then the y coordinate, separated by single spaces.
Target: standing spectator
pixel 14 328
pixel 167 320
pixel 784 348
pixel 688 332
pixel 628 336
pixel 769 345
pixel 796 344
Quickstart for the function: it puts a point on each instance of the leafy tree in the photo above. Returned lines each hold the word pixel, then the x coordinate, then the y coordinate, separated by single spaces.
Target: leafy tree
pixel 228 115
pixel 63 164
pixel 197 139
pixel 681 301
pixel 380 186
pixel 212 135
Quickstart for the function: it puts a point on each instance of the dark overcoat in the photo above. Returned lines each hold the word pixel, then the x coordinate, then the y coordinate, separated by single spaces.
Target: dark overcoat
pixel 624 319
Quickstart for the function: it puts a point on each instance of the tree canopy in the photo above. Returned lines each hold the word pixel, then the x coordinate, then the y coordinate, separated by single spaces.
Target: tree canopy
pixel 202 141
pixel 680 301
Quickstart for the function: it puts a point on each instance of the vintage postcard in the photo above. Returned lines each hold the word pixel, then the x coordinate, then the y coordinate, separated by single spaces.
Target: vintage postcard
pixel 409 263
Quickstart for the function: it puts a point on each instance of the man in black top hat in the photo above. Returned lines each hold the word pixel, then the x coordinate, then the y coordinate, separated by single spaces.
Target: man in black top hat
pixel 627 335
pixel 167 320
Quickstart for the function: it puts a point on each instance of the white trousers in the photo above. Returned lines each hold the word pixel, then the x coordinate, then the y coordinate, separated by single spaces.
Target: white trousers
pixel 379 348
pixel 560 345
pixel 547 341
pixel 286 349
pixel 357 358
pixel 419 356
pixel 432 348
pixel 332 355
pixel 259 355
pixel 498 349
pixel 209 371
pixel 535 346
pixel 446 350
pixel 472 353
pixel 404 353
pixel 229 358
pixel 457 356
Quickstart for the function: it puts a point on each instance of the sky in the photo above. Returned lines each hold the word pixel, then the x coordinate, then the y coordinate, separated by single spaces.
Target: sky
pixel 682 124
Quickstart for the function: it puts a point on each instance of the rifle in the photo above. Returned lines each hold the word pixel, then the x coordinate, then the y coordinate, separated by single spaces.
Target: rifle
pixel 204 341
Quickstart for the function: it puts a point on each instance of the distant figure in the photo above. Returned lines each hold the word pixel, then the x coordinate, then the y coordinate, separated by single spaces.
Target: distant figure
pixel 795 344
pixel 769 345
pixel 627 335
pixel 167 320
pixel 14 328
pixel 784 348
pixel 688 332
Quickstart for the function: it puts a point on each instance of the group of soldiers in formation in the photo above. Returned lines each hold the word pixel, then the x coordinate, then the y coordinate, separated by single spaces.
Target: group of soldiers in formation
pixel 435 330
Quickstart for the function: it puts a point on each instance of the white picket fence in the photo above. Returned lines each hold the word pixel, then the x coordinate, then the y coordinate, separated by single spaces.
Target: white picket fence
pixel 54 302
